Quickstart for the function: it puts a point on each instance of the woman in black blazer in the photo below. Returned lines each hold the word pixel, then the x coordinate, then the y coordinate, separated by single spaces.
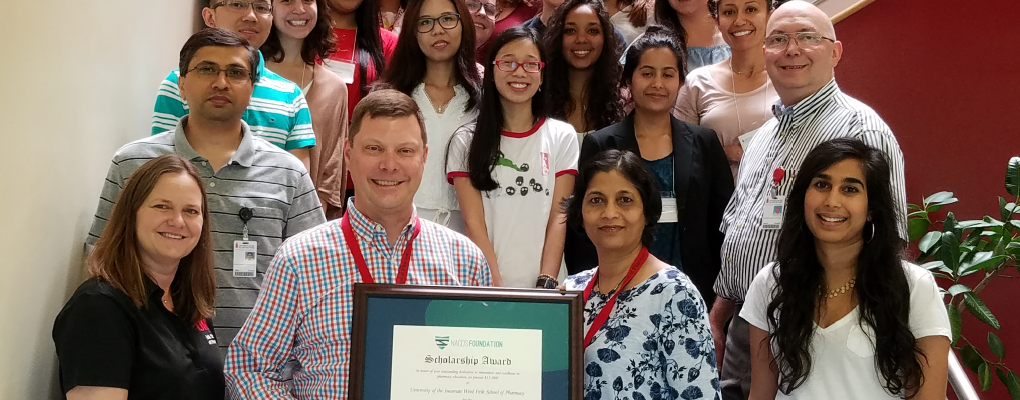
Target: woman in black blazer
pixel 687 160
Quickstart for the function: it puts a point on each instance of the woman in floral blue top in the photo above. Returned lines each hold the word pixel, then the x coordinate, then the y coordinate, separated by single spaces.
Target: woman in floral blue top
pixel 646 326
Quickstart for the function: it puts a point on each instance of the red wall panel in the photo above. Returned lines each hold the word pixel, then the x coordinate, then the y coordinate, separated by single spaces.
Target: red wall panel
pixel 946 77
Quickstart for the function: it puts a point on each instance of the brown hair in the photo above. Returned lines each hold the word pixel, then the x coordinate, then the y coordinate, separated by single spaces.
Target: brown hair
pixel 116 257
pixel 318 45
pixel 387 103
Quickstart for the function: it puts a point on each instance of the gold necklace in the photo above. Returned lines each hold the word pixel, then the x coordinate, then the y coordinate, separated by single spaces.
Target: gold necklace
pixel 836 292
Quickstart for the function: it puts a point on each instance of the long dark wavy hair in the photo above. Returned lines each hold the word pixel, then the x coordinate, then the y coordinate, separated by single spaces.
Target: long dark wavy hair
pixel 604 104
pixel 881 288
pixel 407 64
pixel 318 45
pixel 484 148
pixel 368 43
pixel 666 16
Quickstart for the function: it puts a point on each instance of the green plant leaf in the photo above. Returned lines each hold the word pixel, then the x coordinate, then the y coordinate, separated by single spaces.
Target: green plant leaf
pixel 970 358
pixel 1012 176
pixel 985 377
pixel 937 266
pixel 949 225
pixel 955 322
pixel 1001 374
pixel 913 207
pixel 982 261
pixel 979 309
pixel 929 240
pixel 957 289
pixel 941 198
pixel 917 227
pixel 1013 249
pixel 995 345
pixel 1013 385
pixel 1003 213
pixel 949 252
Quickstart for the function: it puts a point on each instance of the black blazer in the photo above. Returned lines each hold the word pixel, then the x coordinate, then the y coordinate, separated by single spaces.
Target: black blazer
pixel 704 184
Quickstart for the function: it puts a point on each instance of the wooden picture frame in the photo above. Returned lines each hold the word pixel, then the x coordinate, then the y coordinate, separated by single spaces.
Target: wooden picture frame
pixel 380 307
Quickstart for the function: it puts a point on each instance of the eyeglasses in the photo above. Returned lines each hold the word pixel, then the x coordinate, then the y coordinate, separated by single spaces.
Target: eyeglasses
pixel 491 10
pixel 781 41
pixel 511 66
pixel 212 71
pixel 260 7
pixel 447 21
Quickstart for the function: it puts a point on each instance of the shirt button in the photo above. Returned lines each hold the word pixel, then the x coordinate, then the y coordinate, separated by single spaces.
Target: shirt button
pixel 212 184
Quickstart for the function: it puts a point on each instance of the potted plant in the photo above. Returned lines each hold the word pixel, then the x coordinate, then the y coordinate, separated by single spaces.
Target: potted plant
pixel 953 250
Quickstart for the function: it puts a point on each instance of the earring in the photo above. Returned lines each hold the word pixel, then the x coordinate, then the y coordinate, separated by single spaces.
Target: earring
pixel 872 233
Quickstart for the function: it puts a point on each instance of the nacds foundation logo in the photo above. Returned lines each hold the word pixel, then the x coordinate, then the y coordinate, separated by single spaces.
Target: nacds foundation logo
pixel 442 342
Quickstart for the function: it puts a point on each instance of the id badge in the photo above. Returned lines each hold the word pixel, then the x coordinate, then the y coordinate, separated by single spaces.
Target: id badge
pixel 669 212
pixel 772 214
pixel 343 69
pixel 745 139
pixel 245 252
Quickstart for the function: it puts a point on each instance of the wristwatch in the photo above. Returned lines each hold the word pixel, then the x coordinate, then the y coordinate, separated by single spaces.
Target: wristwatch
pixel 546 282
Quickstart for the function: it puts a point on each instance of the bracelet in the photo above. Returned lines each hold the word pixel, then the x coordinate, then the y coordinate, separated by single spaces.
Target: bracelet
pixel 546 282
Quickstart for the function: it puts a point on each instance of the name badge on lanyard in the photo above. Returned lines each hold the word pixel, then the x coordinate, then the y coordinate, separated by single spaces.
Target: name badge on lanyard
pixel 344 65
pixel 775 204
pixel 669 211
pixel 245 251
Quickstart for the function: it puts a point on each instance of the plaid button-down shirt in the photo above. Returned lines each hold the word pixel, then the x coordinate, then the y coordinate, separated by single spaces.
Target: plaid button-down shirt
pixel 304 310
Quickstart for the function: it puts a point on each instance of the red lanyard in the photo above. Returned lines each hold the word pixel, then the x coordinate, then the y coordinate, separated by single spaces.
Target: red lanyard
pixel 359 259
pixel 607 309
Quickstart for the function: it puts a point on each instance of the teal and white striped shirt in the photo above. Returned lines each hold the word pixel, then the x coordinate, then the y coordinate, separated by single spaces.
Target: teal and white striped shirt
pixel 277 113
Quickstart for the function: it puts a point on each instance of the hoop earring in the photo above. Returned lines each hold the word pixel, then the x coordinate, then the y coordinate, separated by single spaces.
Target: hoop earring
pixel 872 233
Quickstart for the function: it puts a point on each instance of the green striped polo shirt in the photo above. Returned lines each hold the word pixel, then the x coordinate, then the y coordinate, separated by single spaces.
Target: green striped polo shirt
pixel 260 176
pixel 278 111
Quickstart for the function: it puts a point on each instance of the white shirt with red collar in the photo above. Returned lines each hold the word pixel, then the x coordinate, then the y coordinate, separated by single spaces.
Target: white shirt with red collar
pixel 516 213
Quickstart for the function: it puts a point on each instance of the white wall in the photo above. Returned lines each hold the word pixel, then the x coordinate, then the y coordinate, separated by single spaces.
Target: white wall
pixel 77 80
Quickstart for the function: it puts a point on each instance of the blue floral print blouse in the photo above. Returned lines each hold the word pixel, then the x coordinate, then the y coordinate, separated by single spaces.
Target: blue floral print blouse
pixel 656 344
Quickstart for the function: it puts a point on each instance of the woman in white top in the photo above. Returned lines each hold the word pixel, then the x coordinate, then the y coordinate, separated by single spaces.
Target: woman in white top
pixel 733 96
pixel 692 20
pixel 840 315
pixel 514 167
pixel 631 17
pixel 434 64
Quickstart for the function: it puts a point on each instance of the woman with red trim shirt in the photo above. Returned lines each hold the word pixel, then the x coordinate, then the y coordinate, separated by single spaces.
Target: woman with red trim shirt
pixel 646 326
pixel 360 55
pixel 139 328
pixel 515 161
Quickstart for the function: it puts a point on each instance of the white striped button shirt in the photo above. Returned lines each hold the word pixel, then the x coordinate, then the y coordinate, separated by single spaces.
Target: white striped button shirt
pixel 784 142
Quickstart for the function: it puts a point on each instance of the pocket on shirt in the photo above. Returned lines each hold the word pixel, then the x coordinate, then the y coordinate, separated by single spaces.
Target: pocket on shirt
pixel 267 222
pixel 860 341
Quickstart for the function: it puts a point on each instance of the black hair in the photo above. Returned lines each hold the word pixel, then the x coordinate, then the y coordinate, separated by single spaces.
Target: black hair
pixel 318 45
pixel 655 37
pixel 484 149
pixel 881 285
pixel 603 104
pixel 218 37
pixel 713 7
pixel 633 168
pixel 666 16
pixel 368 42
pixel 407 65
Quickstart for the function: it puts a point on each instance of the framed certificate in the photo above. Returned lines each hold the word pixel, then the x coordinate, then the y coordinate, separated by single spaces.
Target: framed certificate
pixel 465 343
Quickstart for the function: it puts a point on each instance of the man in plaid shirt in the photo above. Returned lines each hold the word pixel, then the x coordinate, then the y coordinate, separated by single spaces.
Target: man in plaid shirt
pixel 303 313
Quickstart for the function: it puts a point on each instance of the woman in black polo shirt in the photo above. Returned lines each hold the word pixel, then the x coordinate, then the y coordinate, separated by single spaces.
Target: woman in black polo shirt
pixel 139 327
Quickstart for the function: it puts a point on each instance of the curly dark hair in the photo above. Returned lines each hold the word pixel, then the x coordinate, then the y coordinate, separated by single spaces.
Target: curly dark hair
pixel 633 168
pixel 604 104
pixel 407 64
pixel 318 45
pixel 882 289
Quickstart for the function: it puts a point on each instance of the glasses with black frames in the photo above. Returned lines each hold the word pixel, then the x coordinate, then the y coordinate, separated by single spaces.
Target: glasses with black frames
pixel 447 21
pixel 211 71
pixel 491 10
pixel 781 41
pixel 260 7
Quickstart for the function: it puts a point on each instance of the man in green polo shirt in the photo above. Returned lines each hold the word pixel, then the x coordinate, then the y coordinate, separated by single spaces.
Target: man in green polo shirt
pixel 277 113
